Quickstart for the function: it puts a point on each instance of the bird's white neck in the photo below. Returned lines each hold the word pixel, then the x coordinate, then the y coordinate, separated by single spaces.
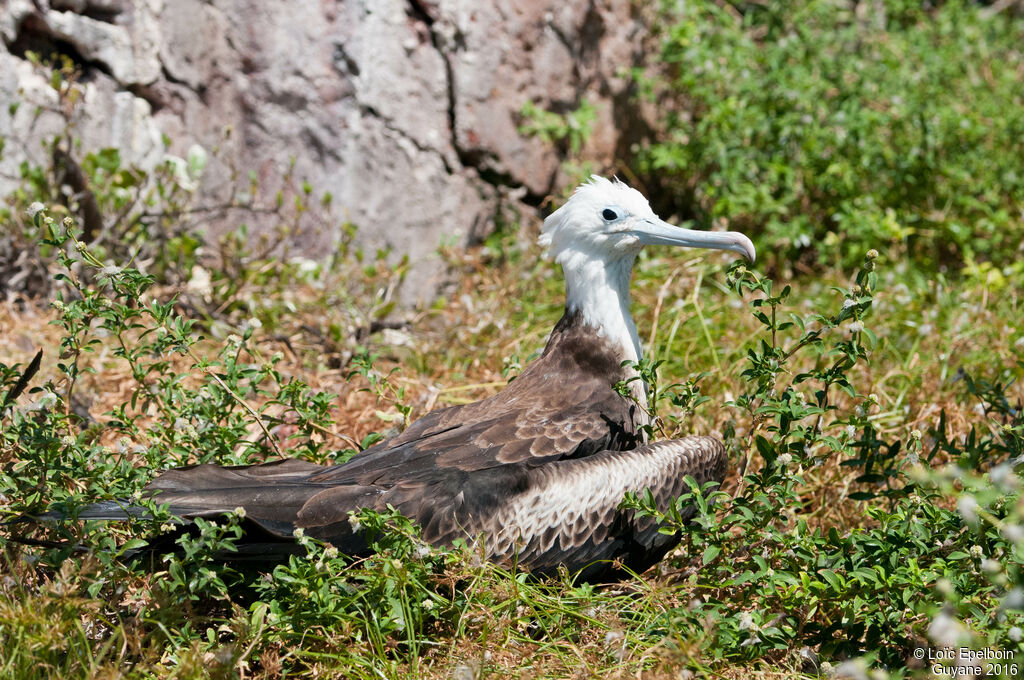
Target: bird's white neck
pixel 599 291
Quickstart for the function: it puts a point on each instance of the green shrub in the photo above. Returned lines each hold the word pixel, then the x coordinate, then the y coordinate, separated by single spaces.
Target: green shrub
pixel 934 558
pixel 824 128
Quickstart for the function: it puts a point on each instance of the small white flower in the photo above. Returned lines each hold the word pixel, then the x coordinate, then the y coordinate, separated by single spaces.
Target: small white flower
pixel 110 271
pixel 977 551
pixel 330 552
pixel 851 669
pixel 465 671
pixel 234 340
pixel 253 323
pixel 851 431
pixel 299 532
pixel 945 630
pixel 849 302
pixel 1015 634
pixel 747 621
pixel 179 169
pixel 612 636
pixel 353 522
pixel 855 327
pixel 197 158
pixel 45 401
pixel 1002 476
pixel 305 265
pixel 784 460
pixel 240 512
pixel 1013 532
pixel 35 209
pixel 422 550
pixel 968 508
pixel 428 604
pixel 199 282
pixel 67 440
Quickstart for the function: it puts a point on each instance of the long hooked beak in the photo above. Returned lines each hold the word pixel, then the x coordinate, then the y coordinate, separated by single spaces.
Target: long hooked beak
pixel 655 232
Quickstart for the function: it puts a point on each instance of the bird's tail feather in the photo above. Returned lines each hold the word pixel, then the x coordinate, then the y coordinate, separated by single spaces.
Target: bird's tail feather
pixel 271 495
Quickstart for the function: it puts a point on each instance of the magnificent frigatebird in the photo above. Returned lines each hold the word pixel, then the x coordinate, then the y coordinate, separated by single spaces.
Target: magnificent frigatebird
pixel 538 470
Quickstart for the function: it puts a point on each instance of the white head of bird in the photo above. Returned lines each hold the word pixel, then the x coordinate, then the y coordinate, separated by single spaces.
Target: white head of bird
pixel 596 237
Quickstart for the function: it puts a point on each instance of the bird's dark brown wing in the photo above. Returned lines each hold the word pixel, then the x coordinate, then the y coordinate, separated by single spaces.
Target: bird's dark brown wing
pixel 533 420
pixel 564 513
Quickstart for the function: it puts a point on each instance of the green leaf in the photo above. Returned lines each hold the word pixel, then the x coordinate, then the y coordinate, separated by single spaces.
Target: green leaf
pixel 833 579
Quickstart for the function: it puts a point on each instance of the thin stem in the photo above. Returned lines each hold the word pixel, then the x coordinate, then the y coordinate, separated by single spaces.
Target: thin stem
pixel 237 398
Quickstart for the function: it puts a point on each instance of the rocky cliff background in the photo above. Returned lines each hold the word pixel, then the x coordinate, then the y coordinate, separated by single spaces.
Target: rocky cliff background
pixel 408 113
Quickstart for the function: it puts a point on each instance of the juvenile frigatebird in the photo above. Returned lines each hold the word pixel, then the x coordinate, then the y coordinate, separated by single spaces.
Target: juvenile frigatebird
pixel 539 469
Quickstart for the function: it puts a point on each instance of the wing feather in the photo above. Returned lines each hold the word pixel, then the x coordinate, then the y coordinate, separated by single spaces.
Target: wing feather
pixel 582 522
pixel 489 436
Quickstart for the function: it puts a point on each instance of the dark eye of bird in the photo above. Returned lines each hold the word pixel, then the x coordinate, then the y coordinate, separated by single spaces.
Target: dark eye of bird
pixel 609 214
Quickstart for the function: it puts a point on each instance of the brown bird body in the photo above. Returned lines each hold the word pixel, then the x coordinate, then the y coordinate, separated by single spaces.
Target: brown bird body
pixel 537 471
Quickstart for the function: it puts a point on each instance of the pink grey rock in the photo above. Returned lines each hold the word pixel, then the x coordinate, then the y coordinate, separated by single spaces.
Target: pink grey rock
pixel 407 112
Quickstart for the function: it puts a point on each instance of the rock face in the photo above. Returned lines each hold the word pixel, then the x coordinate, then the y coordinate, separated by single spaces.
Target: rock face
pixel 407 112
